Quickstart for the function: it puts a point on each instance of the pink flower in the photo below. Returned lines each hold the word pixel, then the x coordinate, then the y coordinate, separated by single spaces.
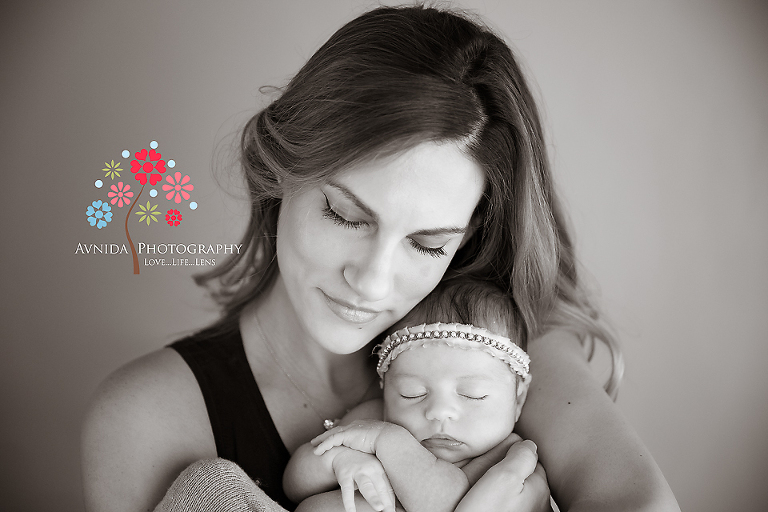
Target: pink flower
pixel 178 187
pixel 173 217
pixel 120 194
pixel 143 166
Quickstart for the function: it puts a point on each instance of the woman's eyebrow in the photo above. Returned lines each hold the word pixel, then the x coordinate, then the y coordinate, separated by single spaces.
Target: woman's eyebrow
pixel 450 230
pixel 453 230
pixel 352 197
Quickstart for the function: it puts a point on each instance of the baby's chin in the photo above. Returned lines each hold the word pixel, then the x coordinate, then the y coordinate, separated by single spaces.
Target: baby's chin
pixel 459 463
pixel 462 463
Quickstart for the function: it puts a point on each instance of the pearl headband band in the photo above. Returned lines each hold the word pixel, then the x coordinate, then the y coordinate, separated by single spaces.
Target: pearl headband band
pixel 454 335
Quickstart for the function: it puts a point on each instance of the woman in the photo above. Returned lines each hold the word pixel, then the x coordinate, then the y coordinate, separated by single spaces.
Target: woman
pixel 406 150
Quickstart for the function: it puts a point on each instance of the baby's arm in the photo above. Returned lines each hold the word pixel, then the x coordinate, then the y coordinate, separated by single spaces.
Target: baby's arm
pixel 308 474
pixel 421 481
pixel 332 501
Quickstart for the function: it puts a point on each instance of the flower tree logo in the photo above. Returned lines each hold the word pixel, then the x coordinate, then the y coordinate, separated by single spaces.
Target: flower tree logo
pixel 148 168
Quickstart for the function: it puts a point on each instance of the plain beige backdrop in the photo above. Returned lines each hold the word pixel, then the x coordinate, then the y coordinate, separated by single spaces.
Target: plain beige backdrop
pixel 657 119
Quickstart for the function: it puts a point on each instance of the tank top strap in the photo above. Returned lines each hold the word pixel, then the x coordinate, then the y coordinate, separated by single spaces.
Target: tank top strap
pixel 242 427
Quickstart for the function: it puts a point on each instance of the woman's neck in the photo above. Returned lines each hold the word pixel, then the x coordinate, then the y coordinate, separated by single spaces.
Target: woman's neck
pixel 321 374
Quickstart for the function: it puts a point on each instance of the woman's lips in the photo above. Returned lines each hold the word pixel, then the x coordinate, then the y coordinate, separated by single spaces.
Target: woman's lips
pixel 349 312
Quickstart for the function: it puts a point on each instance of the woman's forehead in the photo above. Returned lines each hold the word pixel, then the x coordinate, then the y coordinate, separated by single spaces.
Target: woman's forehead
pixel 432 183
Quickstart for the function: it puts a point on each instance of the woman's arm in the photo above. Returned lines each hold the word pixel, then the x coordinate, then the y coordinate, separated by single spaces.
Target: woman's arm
pixel 146 423
pixel 594 459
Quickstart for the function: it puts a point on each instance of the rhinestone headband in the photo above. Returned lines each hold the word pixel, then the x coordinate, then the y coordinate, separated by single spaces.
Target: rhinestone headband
pixel 454 335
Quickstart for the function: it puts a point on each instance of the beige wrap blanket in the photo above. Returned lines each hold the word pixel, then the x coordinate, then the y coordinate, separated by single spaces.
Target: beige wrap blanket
pixel 216 485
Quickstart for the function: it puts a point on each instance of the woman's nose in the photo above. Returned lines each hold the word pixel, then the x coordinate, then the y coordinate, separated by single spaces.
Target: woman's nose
pixel 441 409
pixel 371 274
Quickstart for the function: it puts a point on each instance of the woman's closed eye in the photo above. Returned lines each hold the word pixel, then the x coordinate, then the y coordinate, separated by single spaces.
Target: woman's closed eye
pixel 338 219
pixel 435 252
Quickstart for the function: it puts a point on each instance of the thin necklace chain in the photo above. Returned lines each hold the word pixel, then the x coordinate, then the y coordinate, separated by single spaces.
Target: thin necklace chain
pixel 327 423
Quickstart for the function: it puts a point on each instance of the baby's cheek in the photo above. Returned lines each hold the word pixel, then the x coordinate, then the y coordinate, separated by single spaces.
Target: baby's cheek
pixel 393 415
pixel 502 417
pixel 400 416
pixel 386 414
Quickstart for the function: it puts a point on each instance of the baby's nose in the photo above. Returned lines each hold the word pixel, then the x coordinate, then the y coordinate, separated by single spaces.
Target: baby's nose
pixel 441 410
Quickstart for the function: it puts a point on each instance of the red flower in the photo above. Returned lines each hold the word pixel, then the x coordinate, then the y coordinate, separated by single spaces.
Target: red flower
pixel 173 217
pixel 143 166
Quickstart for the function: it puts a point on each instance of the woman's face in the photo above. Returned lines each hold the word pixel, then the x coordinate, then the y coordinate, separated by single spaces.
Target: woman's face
pixel 358 252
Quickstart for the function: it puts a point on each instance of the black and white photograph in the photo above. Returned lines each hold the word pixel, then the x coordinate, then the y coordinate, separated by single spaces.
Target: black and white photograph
pixel 355 255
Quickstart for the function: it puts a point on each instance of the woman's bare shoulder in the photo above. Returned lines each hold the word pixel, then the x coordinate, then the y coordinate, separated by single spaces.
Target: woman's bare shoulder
pixel 146 423
pixel 591 453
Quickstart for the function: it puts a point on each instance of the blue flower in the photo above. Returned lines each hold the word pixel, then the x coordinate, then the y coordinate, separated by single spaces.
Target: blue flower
pixel 99 213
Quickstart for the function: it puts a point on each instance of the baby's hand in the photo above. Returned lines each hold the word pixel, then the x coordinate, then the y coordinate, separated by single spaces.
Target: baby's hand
pixel 363 471
pixel 360 435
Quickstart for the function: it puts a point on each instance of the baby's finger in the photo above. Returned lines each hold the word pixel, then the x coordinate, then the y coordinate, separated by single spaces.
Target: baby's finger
pixel 368 491
pixel 327 444
pixel 348 495
pixel 385 492
pixel 325 435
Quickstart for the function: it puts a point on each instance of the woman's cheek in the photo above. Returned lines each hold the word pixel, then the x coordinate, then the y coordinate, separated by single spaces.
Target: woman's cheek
pixel 425 275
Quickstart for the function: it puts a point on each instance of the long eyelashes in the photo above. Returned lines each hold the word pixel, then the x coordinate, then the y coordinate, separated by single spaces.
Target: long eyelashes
pixel 435 252
pixel 468 397
pixel 331 214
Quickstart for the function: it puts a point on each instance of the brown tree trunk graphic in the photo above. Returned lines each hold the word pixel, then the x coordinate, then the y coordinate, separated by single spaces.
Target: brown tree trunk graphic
pixel 128 235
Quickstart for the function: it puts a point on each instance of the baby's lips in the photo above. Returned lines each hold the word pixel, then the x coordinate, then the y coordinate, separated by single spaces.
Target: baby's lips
pixel 443 437
pixel 441 441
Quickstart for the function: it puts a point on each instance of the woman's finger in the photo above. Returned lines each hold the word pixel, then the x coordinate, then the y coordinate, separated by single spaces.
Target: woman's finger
pixel 537 488
pixel 520 461
pixel 538 478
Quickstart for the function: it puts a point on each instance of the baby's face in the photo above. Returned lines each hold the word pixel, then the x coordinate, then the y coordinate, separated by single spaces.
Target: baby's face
pixel 457 403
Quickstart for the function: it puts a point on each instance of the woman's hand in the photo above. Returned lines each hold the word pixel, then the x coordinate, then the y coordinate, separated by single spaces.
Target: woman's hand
pixel 517 483
pixel 480 465
pixel 364 472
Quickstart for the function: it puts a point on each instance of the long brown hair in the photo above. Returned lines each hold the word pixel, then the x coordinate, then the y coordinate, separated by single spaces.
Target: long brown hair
pixel 386 81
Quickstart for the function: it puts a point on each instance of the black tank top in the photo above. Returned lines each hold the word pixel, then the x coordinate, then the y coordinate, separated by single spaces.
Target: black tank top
pixel 242 427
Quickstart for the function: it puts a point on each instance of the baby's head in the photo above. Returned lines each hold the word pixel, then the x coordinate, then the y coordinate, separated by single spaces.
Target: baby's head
pixel 450 373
